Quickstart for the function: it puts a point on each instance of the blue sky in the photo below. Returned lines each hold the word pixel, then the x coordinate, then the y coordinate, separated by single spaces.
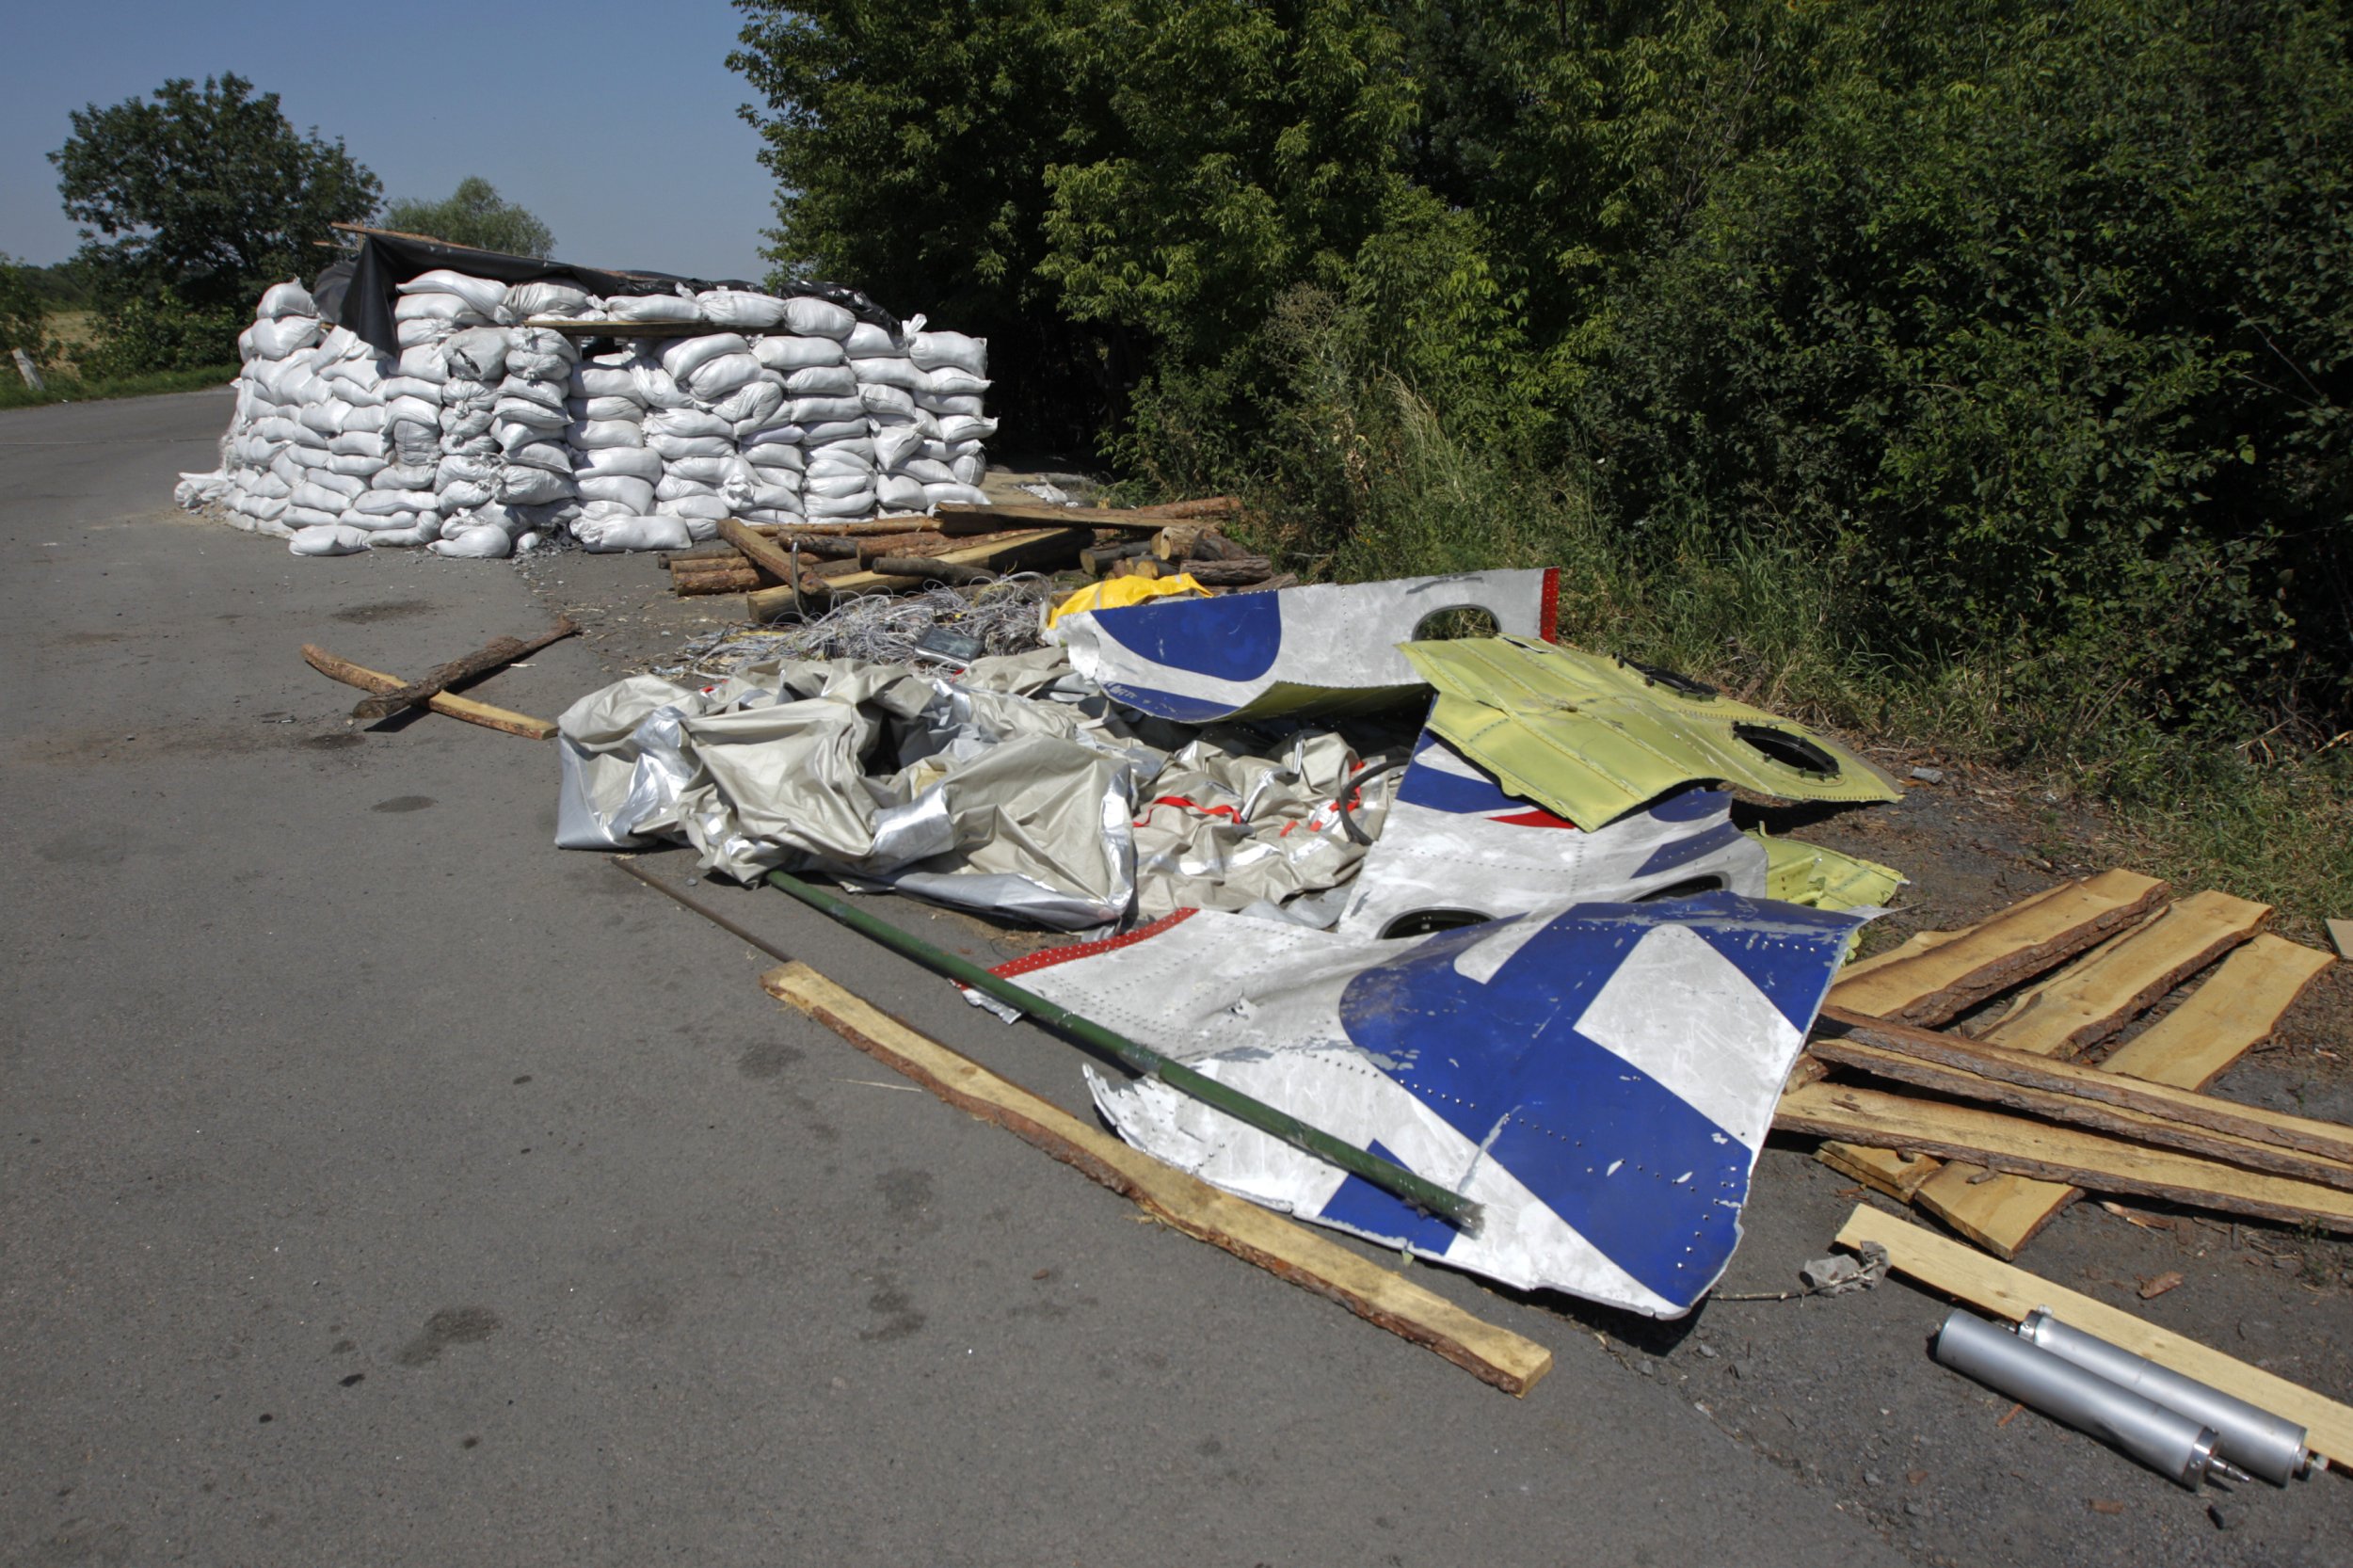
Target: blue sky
pixel 616 123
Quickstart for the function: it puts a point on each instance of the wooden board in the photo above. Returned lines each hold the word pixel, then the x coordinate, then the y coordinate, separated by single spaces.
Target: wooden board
pixel 2091 999
pixel 1998 1211
pixel 442 703
pixel 1938 983
pixel 1898 1176
pixel 961 516
pixel 1289 1250
pixel 1004 552
pixel 2059 1154
pixel 2308 1148
pixel 2340 934
pixel 2013 1293
pixel 2234 1011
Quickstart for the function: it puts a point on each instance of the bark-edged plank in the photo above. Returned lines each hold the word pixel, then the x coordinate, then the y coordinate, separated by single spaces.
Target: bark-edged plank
pixel 2092 999
pixel 498 651
pixel 1287 1250
pixel 441 703
pixel 2232 1012
pixel 1955 1271
pixel 1938 983
pixel 2017 1147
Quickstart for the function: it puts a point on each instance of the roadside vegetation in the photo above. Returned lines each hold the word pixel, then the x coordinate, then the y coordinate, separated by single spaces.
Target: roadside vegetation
pixel 1972 373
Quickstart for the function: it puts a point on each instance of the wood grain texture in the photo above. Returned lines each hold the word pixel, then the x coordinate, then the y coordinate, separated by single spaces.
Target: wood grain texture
pixel 494 654
pixel 1887 1171
pixel 1955 1271
pixel 1936 984
pixel 1003 553
pixel 2015 1146
pixel 2098 995
pixel 442 703
pixel 2232 1013
pixel 2084 1096
pixel 1289 1250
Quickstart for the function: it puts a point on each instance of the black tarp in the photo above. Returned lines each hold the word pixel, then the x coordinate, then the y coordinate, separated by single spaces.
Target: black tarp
pixel 384 262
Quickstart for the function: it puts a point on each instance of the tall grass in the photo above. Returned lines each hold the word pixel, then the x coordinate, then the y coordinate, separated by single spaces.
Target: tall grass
pixel 64 387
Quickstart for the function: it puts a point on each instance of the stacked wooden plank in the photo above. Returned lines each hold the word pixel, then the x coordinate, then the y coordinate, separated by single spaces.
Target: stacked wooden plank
pixel 965 545
pixel 2020 1123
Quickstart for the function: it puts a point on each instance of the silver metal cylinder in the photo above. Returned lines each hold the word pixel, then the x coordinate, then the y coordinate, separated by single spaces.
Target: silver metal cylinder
pixel 2173 1444
pixel 2269 1446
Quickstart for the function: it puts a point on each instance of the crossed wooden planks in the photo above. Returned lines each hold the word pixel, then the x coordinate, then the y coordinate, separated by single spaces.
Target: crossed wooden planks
pixel 2145 948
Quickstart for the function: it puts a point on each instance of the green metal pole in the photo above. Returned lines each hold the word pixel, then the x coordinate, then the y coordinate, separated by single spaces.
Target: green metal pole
pixel 1386 1174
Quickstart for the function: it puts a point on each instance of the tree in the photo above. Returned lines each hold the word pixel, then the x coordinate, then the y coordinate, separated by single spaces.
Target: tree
pixel 474 214
pixel 206 191
pixel 24 314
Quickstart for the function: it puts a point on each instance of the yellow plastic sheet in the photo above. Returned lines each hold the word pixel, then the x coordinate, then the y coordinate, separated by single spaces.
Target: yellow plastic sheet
pixel 1117 593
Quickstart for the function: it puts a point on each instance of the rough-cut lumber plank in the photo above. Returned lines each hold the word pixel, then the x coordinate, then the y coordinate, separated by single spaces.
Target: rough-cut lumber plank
pixel 861 528
pixel 2083 1005
pixel 2021 1147
pixel 2232 1013
pixel 491 655
pixel 2000 1214
pixel 928 568
pixel 2340 934
pixel 769 556
pixel 1203 506
pixel 1955 1271
pixel 2258 1153
pixel 442 703
pixel 1001 554
pixel 1898 1176
pixel 1937 985
pixel 1952 1060
pixel 1287 1250
pixel 968 517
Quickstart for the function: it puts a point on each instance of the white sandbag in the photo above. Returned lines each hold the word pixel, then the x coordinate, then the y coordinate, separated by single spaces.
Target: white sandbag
pixel 751 404
pixel 964 427
pixel 592 410
pixel 858 506
pixel 282 336
pixel 527 485
pixel 755 312
pixel 969 469
pixel 634 533
pixel 485 295
pixel 779 456
pixel 885 402
pixel 379 523
pixel 817 318
pixel 706 471
pixel 677 487
pixel 684 422
pixel 715 379
pixel 447 308
pixel 426 362
pixel 329 538
pixel 772 497
pixel 362 466
pixel 261 509
pixel 364 420
pixel 946 350
pixel 464 495
pixel 941 407
pixel 590 435
pixel 870 342
pixel 546 297
pixel 852 457
pixel 675 447
pixel 538 416
pixel 784 514
pixel 656 388
pixel 405 476
pixel 343 485
pixel 422 391
pixel 786 353
pixel 895 443
pixel 426 532
pixel 620 488
pixel 555 456
pixel 457 467
pixel 777 432
pixel 823 381
pixel 952 493
pixel 594 380
pixel 478 353
pixel 416 334
pixel 928 471
pixel 465 391
pixel 650 307
pixel 835 431
pixel 835 486
pixel 460 427
pixel 638 462
pixel 483 541
pixel 285 299
pixel 824 410
pixel 952 381
pixel 707 507
pixel 902 374
pixel 900 493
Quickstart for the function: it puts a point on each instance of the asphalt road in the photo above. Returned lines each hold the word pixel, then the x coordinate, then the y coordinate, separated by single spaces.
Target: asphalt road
pixel 382 1184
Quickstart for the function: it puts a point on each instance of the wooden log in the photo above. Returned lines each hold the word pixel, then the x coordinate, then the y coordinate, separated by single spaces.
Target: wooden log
pixel 714 551
pixel 482 661
pixel 1224 574
pixel 1288 1251
pixel 725 580
pixel 1003 553
pixel 1097 560
pixel 861 528
pixel 821 547
pixel 2232 1013
pixel 767 554
pixel 2015 1146
pixel 1286 579
pixel 1954 1270
pixel 1934 987
pixel 929 568
pixel 1949 1074
pixel 968 517
pixel 1195 542
pixel 500 719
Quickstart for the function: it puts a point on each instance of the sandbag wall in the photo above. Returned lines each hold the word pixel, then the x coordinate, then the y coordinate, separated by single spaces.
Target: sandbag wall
pixel 485 433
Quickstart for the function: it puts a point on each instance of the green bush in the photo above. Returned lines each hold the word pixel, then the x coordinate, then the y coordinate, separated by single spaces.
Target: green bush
pixel 161 332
